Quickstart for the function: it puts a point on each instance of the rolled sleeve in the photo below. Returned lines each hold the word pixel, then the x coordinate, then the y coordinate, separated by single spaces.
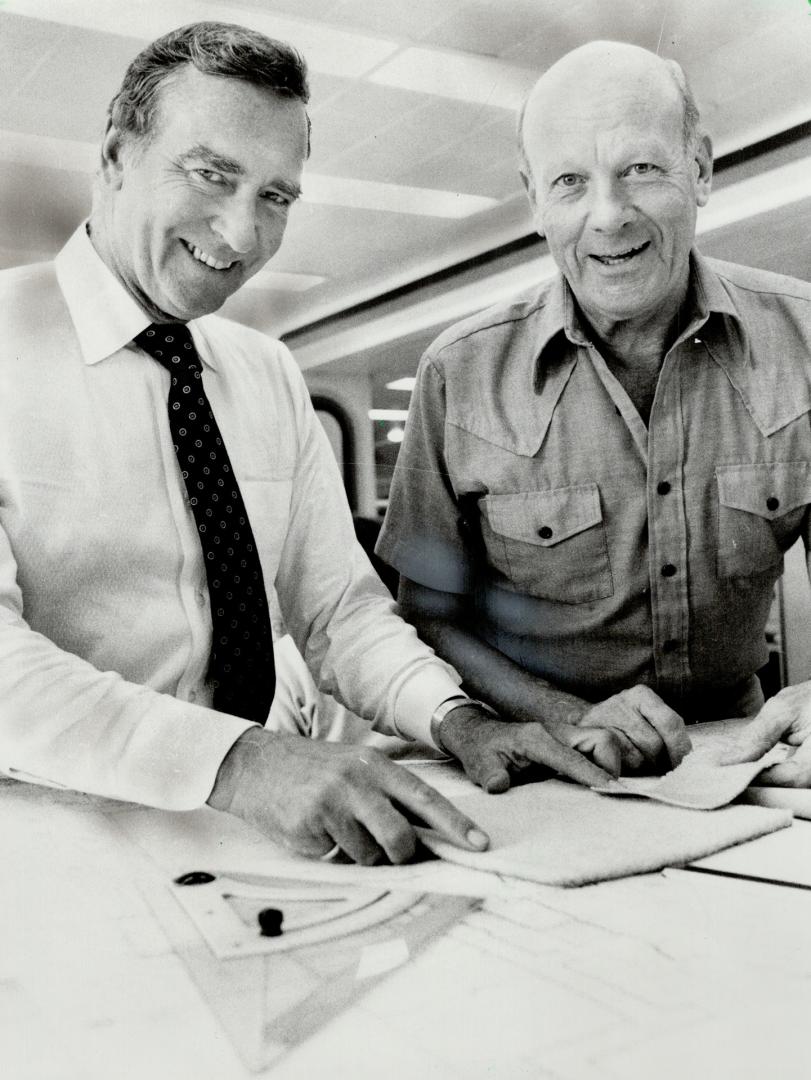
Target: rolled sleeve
pixel 423 534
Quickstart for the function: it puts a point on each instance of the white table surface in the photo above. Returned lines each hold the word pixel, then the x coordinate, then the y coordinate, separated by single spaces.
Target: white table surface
pixel 681 974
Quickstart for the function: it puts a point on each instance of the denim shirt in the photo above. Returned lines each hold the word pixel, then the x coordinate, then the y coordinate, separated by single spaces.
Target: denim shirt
pixel 602 552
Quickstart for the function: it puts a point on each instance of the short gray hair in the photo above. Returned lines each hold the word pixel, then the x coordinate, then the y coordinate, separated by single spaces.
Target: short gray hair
pixel 214 48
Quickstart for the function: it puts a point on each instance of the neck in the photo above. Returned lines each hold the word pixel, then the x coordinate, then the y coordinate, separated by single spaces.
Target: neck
pixel 639 343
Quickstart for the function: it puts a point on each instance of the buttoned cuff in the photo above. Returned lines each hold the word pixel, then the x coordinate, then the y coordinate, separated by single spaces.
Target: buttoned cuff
pixel 173 762
pixel 419 696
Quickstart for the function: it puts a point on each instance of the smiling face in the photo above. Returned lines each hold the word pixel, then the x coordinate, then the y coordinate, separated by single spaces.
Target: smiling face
pixel 192 211
pixel 614 189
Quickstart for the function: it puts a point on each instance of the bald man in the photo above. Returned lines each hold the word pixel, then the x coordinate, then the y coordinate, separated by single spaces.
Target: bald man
pixel 599 479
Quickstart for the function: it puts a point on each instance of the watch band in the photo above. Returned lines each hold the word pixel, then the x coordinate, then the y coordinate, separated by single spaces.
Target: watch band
pixel 442 710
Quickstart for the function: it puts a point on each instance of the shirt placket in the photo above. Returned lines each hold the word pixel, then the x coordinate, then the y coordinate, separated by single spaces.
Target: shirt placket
pixel 667 524
pixel 192 584
pixel 667 532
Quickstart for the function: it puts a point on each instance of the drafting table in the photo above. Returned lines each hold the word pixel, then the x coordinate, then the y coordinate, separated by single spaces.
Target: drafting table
pixel 683 973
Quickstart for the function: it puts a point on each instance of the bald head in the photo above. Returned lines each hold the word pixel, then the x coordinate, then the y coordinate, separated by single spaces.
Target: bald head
pixel 616 173
pixel 600 67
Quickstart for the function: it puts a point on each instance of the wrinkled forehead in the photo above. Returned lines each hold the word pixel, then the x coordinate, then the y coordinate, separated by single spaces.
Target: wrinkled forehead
pixel 571 116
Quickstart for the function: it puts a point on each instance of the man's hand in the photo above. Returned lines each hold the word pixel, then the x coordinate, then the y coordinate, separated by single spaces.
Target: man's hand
pixel 311 795
pixel 786 716
pixel 491 751
pixel 649 731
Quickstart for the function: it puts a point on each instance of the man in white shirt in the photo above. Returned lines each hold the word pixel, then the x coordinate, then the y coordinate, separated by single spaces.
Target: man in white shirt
pixel 105 611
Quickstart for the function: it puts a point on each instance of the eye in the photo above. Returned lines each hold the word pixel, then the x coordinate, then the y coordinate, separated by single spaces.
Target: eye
pixel 567 180
pixel 277 198
pixel 642 168
pixel 210 176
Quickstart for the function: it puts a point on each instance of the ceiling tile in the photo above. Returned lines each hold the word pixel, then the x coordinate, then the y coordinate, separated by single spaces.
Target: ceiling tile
pixel 303 9
pixel 359 112
pixel 461 76
pixel 412 20
pixel 391 152
pixel 484 163
pixel 490 29
pixel 694 27
pixel 31 217
pixel 53 99
pixel 24 44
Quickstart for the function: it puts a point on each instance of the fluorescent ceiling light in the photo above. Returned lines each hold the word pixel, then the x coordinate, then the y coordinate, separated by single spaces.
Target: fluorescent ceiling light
pixel 327 49
pixel 397 415
pixel 449 306
pixel 457 75
pixel 757 195
pixel 42 152
pixel 406 383
pixel 394 198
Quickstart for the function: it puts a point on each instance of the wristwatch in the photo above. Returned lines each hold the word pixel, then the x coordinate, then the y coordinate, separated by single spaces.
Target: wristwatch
pixel 442 710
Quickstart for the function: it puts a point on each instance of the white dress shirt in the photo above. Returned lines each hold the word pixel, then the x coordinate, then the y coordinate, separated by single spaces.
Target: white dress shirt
pixel 105 627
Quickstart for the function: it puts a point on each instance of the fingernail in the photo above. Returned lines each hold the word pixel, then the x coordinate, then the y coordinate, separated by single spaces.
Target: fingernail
pixel 478 839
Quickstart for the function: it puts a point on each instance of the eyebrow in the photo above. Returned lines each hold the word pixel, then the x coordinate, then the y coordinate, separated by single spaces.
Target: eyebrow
pixel 217 161
pixel 222 163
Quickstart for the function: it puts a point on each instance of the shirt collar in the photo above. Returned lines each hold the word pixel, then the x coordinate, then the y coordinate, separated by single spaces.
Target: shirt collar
pixel 729 345
pixel 708 292
pixel 707 296
pixel 104 315
pixel 559 317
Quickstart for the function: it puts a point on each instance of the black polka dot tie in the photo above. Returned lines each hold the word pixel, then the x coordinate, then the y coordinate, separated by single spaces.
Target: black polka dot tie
pixel 241 668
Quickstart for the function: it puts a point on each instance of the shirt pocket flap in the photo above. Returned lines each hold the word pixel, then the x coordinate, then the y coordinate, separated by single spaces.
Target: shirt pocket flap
pixel 545 518
pixel 769 490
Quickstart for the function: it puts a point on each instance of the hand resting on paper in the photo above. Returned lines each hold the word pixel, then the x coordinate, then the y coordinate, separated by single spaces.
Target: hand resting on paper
pixel 493 751
pixel 650 734
pixel 311 795
pixel 786 716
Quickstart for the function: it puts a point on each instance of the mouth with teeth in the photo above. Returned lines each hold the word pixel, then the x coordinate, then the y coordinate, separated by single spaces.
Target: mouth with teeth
pixel 207 260
pixel 620 257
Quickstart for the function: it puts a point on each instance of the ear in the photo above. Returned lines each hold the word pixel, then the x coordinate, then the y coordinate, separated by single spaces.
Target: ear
pixel 529 185
pixel 112 156
pixel 703 162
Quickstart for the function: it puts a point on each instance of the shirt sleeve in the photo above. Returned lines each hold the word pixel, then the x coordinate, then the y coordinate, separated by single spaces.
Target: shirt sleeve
pixel 66 724
pixel 340 614
pixel 426 532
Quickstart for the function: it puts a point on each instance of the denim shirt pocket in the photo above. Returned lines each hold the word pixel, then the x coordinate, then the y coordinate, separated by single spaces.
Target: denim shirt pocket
pixel 549 544
pixel 760 512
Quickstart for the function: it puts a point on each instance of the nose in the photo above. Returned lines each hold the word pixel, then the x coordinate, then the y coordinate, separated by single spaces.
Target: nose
pixel 235 221
pixel 609 208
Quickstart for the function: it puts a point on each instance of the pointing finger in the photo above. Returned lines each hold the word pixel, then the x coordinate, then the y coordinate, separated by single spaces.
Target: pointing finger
pixel 426 803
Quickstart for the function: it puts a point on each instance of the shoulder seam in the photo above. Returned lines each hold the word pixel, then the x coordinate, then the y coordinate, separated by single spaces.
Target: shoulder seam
pixel 762 291
pixel 482 329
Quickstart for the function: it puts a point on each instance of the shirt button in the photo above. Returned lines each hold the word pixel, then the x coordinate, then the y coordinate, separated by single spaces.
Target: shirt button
pixel 668 570
pixel 544 532
pixel 670 645
pixel 772 502
pixel 663 487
